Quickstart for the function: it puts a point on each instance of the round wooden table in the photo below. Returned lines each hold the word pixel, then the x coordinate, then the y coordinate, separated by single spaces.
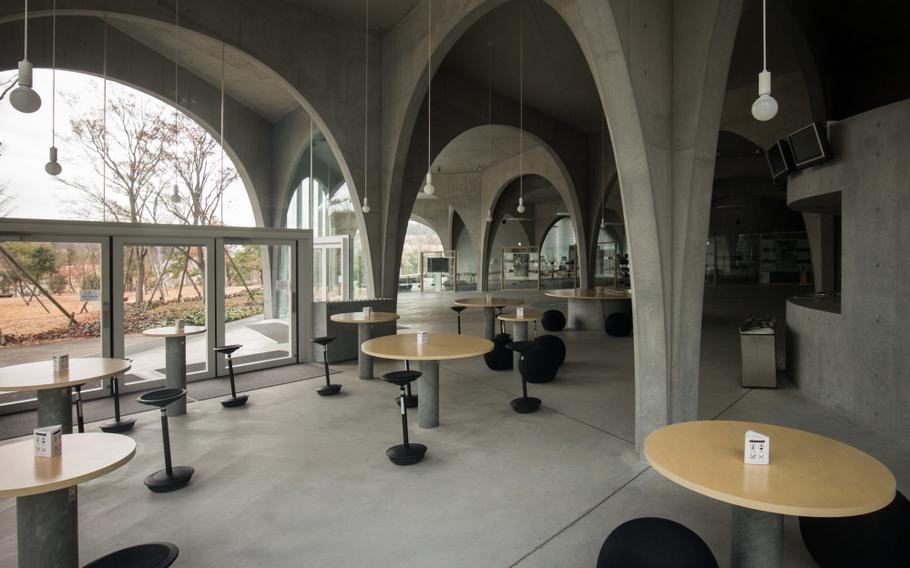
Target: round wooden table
pixel 364 325
pixel 175 359
pixel 519 333
pixel 808 475
pixel 581 316
pixel 55 403
pixel 489 310
pixel 47 529
pixel 439 347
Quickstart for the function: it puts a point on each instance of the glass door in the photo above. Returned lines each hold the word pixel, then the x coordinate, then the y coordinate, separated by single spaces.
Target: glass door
pixel 332 267
pixel 257 302
pixel 52 302
pixel 160 280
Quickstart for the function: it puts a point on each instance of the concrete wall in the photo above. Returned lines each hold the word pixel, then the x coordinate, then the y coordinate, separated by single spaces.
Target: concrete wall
pixel 858 361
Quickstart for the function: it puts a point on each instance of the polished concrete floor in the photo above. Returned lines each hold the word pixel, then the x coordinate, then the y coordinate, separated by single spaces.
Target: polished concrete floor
pixel 298 480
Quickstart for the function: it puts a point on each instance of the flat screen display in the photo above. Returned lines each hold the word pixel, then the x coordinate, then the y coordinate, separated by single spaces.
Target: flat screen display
pixel 779 160
pixel 809 145
pixel 436 265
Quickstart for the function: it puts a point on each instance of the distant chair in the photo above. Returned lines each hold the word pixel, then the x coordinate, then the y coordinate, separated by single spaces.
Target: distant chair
pixel 651 542
pixel 553 320
pixel 153 555
pixel 118 424
pixel 554 345
pixel 328 389
pixel 235 400
pixel 458 310
pixel 877 539
pixel 405 453
pixel 500 358
pixel 524 404
pixel 618 324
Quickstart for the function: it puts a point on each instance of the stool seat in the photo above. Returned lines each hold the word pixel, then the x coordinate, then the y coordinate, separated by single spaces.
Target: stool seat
pixel 521 346
pixel 323 340
pixel 458 309
pixel 161 397
pixel 153 555
pixel 401 377
pixel 227 349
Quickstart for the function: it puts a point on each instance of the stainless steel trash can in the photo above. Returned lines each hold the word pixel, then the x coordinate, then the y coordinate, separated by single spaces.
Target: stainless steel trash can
pixel 759 356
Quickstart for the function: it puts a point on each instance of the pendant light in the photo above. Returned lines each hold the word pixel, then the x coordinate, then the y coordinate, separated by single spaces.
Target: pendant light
pixel 24 98
pixel 366 107
pixel 521 109
pixel 428 188
pixel 175 195
pixel 490 117
pixel 53 167
pixel 765 107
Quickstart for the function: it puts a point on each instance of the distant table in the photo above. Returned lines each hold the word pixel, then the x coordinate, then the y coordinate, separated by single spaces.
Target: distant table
pixel 364 325
pixel 519 332
pixel 808 475
pixel 55 403
pixel 489 310
pixel 440 346
pixel 581 316
pixel 47 528
pixel 175 359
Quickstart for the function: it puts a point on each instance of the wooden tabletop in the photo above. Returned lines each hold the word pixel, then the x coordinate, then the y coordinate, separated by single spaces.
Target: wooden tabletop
pixel 480 302
pixel 440 346
pixel 589 294
pixel 528 316
pixel 41 375
pixel 84 457
pixel 360 317
pixel 808 475
pixel 172 331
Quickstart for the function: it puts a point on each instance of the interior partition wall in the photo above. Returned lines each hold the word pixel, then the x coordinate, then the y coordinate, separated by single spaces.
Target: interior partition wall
pixel 245 285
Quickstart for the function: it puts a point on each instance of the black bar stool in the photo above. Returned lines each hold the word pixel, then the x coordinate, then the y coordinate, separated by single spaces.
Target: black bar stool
pixel 170 478
pixel 525 404
pixel 406 453
pixel 152 555
pixel 458 310
pixel 410 400
pixel 329 389
pixel 235 400
pixel 118 424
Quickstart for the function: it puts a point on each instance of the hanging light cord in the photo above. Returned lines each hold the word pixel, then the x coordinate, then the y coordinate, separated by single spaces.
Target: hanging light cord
pixel 764 35
pixel 25 55
pixel 53 74
pixel 490 104
pixel 104 127
pixel 429 83
pixel 221 158
pixel 366 101
pixel 521 103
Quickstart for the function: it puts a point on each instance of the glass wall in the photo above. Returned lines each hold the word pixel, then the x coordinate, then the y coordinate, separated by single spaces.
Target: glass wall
pixel 419 239
pixel 606 258
pixel 558 260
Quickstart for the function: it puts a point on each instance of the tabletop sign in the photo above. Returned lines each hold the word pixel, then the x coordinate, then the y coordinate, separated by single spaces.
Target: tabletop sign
pixel 758 448
pixel 520 311
pixel 178 324
pixel 89 295
pixel 423 336
pixel 488 298
pixel 62 363
pixel 368 310
pixel 48 441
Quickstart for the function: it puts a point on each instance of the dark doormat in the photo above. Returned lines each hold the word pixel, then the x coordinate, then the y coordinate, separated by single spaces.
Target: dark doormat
pixel 22 423
pixel 239 360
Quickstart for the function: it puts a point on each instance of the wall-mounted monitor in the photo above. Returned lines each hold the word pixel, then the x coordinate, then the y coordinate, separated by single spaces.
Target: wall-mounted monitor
pixel 438 265
pixel 809 145
pixel 780 160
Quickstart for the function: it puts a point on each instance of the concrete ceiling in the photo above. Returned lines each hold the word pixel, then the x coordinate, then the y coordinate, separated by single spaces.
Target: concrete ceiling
pixel 473 149
pixel 244 80
pixel 557 81
pixel 384 14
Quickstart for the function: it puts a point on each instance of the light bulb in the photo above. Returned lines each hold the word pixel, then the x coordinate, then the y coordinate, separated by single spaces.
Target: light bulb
pixel 428 188
pixel 366 205
pixel 765 107
pixel 53 167
pixel 175 197
pixel 24 98
pixel 489 216
pixel 521 205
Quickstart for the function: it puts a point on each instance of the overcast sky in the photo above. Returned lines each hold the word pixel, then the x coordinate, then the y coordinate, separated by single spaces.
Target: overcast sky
pixel 27 137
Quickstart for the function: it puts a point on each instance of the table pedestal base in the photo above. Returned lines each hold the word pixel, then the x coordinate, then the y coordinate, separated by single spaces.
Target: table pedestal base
pixel 175 366
pixel 55 406
pixel 428 392
pixel 519 333
pixel 47 528
pixel 592 314
pixel 364 361
pixel 756 539
pixel 489 323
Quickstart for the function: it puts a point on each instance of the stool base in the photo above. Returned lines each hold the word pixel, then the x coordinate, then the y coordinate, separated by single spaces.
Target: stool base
pixel 117 426
pixel 153 555
pixel 525 405
pixel 328 390
pixel 410 401
pixel 161 482
pixel 406 455
pixel 235 401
